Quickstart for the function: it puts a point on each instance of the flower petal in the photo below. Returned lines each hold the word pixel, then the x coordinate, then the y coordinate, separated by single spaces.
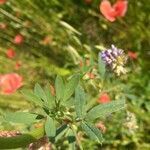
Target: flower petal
pixel 107 10
pixel 9 83
pixel 121 8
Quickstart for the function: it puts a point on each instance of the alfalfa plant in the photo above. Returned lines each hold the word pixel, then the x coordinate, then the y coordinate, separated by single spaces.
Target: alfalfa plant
pixel 64 112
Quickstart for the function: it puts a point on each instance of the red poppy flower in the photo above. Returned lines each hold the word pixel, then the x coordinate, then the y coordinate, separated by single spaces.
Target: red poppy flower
pixel 112 12
pixel 18 39
pixel 121 8
pixel 132 55
pixel 2 1
pixel 17 65
pixel 9 83
pixel 104 98
pixel 10 53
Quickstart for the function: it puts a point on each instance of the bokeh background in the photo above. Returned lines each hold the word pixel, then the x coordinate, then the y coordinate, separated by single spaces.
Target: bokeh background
pixel 54 37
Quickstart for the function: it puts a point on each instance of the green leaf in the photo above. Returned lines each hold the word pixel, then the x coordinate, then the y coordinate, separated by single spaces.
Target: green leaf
pixel 50 127
pixel 101 66
pixel 31 97
pixel 69 103
pixel 21 117
pixel 69 27
pixel 93 132
pixel 40 92
pixel 59 86
pixel 50 97
pixel 91 61
pixel 80 101
pixel 61 131
pixel 70 136
pixel 71 86
pixel 104 110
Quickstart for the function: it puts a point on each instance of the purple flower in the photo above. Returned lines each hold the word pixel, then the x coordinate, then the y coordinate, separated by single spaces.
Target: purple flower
pixel 115 59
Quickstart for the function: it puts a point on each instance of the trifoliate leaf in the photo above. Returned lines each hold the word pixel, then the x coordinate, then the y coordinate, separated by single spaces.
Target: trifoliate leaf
pixel 104 110
pixel 32 98
pixel 59 86
pixel 50 97
pixel 50 127
pixel 80 101
pixel 70 86
pixel 38 91
pixel 21 117
pixel 93 132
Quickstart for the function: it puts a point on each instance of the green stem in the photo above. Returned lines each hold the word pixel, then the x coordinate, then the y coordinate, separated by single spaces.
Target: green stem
pixel 21 140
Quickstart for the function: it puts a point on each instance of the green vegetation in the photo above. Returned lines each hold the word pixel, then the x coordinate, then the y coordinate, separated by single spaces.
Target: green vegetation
pixel 59 35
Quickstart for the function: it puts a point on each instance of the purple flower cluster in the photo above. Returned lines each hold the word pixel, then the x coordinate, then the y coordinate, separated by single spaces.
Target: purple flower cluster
pixel 115 59
pixel 109 56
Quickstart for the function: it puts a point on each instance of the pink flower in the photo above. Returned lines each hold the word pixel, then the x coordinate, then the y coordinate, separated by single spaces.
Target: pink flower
pixel 10 53
pixel 2 1
pixel 112 12
pixel 9 83
pixel 104 98
pixel 18 39
pixel 132 55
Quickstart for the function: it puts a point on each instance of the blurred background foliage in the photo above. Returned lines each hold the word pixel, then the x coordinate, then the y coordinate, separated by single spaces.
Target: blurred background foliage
pixel 58 34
